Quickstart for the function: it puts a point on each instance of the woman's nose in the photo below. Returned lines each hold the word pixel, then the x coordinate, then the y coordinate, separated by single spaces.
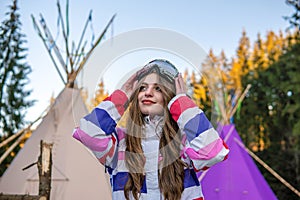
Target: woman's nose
pixel 149 91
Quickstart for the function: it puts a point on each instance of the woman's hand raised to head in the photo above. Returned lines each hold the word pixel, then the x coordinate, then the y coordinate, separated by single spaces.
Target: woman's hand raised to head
pixel 129 86
pixel 180 85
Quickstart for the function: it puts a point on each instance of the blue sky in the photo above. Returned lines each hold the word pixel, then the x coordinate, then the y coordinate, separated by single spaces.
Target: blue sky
pixel 211 24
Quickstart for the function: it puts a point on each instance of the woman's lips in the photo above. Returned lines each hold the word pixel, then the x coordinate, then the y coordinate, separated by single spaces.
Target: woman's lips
pixel 148 102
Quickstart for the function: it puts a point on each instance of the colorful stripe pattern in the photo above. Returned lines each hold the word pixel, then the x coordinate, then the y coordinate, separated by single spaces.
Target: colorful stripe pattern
pixel 202 145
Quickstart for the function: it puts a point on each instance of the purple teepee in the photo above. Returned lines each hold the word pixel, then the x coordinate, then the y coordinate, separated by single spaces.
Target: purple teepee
pixel 237 177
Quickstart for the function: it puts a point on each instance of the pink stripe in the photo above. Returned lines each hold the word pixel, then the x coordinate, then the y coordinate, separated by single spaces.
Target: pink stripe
pixel 110 154
pixel 121 133
pixel 183 150
pixel 180 105
pixel 160 158
pixel 121 155
pixel 206 153
pixel 95 144
pixel 183 140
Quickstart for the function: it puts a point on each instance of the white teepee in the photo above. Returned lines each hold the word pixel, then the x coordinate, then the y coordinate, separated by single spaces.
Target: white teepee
pixel 76 173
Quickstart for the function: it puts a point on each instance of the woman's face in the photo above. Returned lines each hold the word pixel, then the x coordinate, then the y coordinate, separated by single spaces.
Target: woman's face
pixel 150 96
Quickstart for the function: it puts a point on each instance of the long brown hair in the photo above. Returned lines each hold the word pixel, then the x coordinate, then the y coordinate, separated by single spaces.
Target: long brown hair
pixel 171 173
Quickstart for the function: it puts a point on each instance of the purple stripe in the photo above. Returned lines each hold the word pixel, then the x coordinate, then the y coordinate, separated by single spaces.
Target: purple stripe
pixel 120 179
pixel 190 178
pixel 102 119
pixel 196 125
pixel 206 153
pixel 95 144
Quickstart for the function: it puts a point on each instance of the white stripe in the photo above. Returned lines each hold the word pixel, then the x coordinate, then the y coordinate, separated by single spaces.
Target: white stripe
pixel 187 115
pixel 204 139
pixel 191 193
pixel 121 167
pixel 199 164
pixel 91 129
pixel 111 109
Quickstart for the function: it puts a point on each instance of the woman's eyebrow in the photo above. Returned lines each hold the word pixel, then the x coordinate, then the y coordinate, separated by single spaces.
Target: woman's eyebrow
pixel 145 83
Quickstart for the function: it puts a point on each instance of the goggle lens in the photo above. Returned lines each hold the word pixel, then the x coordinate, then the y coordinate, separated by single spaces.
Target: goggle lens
pixel 163 67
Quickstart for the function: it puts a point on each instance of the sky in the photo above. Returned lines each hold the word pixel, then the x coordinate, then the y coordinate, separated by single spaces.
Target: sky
pixel 216 25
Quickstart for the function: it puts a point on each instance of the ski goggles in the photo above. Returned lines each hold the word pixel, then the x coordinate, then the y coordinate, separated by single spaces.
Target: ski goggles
pixel 163 67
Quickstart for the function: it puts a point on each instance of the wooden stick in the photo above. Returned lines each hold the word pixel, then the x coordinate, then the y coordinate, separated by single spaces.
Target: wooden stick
pixel 239 99
pixel 46 46
pixel 45 169
pixel 5 142
pixel 82 63
pixel 18 197
pixel 6 153
pixel 267 167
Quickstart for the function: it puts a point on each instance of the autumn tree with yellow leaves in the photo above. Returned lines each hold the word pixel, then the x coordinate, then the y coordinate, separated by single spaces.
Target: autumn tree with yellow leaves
pixel 100 95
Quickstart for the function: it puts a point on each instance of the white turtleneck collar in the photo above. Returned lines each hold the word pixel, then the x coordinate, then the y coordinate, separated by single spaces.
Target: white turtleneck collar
pixel 153 126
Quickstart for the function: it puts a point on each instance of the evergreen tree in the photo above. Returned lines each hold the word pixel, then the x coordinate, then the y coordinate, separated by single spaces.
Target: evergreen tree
pixel 282 97
pixel 258 56
pixel 14 73
pixel 243 53
pixel 271 111
pixel 273 47
pixel 294 19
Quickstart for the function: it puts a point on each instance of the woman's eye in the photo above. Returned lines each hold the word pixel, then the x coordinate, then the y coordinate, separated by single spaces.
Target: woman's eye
pixel 158 89
pixel 142 88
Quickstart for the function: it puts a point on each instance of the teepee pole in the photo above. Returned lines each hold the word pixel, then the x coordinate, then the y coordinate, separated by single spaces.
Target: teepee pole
pixel 22 133
pixel 6 153
pixel 241 98
pixel 267 167
pixel 82 36
pixel 6 141
pixel 52 42
pixel 94 46
pixel 66 35
pixel 49 52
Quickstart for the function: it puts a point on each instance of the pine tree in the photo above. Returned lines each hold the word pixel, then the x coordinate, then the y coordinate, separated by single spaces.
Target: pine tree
pixel 294 19
pixel 100 95
pixel 273 48
pixel 243 53
pixel 258 56
pixel 14 73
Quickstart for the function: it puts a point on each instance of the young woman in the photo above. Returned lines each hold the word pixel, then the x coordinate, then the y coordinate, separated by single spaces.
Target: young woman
pixel 167 138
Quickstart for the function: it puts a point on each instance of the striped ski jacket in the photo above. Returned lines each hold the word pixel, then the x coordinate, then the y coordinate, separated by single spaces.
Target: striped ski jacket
pixel 201 145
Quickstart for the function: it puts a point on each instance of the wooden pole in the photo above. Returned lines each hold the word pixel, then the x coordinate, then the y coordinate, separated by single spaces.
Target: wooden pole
pixel 267 167
pixel 5 142
pixel 241 98
pixel 11 148
pixel 45 171
pixel 18 197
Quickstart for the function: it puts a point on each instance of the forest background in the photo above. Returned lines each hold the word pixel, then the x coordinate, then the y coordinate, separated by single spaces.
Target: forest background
pixel 267 118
